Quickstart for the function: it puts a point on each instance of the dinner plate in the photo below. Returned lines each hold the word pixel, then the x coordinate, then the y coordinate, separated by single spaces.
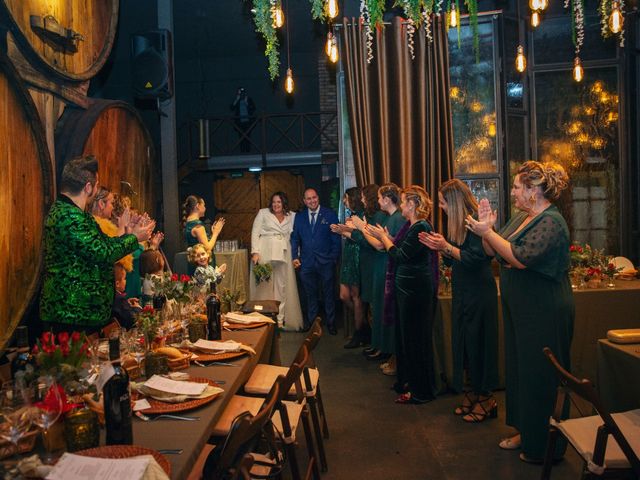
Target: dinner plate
pixel 217 357
pixel 158 406
pixel 244 326
pixel 126 451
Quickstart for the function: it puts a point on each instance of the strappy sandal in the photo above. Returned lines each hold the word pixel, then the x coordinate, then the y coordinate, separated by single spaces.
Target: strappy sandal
pixel 464 408
pixel 409 399
pixel 475 416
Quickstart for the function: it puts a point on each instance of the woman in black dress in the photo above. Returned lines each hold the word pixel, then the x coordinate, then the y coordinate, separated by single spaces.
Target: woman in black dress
pixel 474 332
pixel 415 296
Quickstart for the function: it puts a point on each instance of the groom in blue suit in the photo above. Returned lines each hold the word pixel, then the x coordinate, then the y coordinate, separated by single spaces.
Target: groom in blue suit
pixel 315 251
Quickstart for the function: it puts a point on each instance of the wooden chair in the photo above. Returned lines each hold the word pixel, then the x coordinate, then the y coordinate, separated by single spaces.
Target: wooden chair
pixel 589 436
pixel 229 459
pixel 264 376
pixel 286 417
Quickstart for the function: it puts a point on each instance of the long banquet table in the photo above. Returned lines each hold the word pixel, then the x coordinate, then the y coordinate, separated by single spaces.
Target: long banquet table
pixel 597 311
pixel 618 375
pixel 192 436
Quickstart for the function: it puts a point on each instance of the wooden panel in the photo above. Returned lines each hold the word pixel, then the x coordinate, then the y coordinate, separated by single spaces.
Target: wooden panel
pixel 234 195
pixel 282 181
pixel 95 20
pixel 113 132
pixel 25 196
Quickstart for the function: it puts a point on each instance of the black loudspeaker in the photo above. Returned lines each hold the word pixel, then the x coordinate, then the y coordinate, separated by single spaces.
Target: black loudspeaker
pixel 151 57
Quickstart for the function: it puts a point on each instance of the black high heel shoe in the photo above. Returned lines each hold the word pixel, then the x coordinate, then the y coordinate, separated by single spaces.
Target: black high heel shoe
pixel 475 416
pixel 467 404
pixel 409 399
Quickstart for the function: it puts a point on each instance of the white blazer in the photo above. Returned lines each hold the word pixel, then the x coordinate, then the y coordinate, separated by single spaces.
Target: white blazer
pixel 270 238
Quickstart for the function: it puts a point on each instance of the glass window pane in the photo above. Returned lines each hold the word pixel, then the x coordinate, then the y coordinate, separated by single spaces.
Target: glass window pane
pixel 488 188
pixel 577 126
pixel 473 101
pixel 552 41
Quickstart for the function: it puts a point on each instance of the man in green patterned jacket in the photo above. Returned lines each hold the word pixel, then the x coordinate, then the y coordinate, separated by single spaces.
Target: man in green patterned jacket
pixel 78 286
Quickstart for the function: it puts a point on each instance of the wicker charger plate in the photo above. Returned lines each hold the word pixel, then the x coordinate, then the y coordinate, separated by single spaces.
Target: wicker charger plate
pixel 158 406
pixel 217 357
pixel 126 451
pixel 245 326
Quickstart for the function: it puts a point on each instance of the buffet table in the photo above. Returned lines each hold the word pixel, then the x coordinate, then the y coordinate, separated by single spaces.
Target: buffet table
pixel 618 374
pixel 192 436
pixel 597 311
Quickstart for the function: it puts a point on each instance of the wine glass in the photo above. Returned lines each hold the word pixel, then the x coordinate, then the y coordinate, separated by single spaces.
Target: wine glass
pixel 15 414
pixel 137 346
pixel 47 411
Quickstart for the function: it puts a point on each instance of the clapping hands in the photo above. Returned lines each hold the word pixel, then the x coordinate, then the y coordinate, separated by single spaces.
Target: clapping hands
pixel 486 219
pixel 378 232
pixel 433 240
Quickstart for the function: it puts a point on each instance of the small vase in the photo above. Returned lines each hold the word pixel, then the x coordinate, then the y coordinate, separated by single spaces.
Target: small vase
pixel 54 438
pixel 197 330
pixel 611 283
pixel 155 364
pixel 594 282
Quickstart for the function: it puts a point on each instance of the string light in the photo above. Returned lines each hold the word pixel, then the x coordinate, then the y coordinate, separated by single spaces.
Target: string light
pixel 535 18
pixel 616 20
pixel 327 46
pixel 332 8
pixel 288 82
pixel 333 54
pixel 278 16
pixel 521 60
pixel 453 16
pixel 578 71
pixel 543 4
pixel 535 4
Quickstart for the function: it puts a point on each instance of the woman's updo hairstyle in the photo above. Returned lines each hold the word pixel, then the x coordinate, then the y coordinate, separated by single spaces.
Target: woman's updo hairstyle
pixel 390 191
pixel 549 176
pixel 420 198
pixel 189 205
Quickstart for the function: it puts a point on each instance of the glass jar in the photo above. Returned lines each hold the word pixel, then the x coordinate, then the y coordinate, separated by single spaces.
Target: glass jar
pixel 81 430
pixel 197 330
pixel 155 364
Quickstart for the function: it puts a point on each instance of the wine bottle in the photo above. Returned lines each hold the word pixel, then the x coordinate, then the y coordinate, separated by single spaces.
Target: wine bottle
pixel 214 325
pixel 117 400
pixel 23 356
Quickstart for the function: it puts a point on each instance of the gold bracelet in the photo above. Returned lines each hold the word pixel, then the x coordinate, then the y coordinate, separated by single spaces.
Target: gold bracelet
pixel 448 250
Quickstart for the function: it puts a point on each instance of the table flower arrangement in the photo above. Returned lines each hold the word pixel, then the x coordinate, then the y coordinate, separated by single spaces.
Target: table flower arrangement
pixel 172 286
pixel 63 356
pixel 445 277
pixel 589 266
pixel 228 300
pixel 148 321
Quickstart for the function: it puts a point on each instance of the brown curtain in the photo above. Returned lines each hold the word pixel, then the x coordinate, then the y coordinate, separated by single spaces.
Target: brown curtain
pixel 399 110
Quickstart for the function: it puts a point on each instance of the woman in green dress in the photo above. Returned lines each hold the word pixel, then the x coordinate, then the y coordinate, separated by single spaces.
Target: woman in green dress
pixel 193 209
pixel 350 269
pixel 383 337
pixel 415 297
pixel 474 330
pixel 537 301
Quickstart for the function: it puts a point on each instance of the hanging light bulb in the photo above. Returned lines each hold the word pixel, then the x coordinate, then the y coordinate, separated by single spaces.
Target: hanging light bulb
pixel 521 60
pixel 333 55
pixel 615 19
pixel 535 4
pixel 332 8
pixel 535 18
pixel 578 71
pixel 288 83
pixel 277 15
pixel 327 46
pixel 542 5
pixel 453 16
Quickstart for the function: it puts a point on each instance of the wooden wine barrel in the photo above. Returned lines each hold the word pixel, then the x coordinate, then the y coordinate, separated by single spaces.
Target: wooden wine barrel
pixel 26 191
pixel 114 133
pixel 71 38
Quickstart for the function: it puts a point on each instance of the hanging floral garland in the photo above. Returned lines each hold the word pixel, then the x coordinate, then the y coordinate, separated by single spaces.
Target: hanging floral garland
pixel 263 19
pixel 368 31
pixel 577 22
pixel 606 10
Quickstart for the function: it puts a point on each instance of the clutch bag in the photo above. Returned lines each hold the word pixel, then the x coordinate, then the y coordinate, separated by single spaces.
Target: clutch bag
pixel 630 335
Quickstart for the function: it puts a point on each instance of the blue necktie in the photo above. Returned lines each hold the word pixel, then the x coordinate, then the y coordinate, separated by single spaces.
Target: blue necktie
pixel 313 220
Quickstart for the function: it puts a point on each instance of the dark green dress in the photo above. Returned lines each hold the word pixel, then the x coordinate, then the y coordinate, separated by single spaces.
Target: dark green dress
pixel 538 312
pixel 369 258
pixel 350 262
pixel 190 241
pixel 383 337
pixel 474 329
pixel 415 311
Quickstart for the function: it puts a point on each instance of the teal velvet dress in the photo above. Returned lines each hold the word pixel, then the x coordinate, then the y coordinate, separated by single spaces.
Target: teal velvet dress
pixel 350 262
pixel 415 312
pixel 538 311
pixel 474 330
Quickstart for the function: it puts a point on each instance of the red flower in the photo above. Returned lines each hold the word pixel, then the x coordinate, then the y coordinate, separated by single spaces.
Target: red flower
pixel 47 338
pixel 64 348
pixel 75 337
pixel 63 338
pixel 573 248
pixel 185 278
pixel 174 277
pixel 35 350
pixel 148 309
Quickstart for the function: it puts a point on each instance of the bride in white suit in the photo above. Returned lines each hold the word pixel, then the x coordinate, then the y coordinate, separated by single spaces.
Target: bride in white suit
pixel 270 243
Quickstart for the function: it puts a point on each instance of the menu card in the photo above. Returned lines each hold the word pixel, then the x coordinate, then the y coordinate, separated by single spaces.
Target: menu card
pixel 78 467
pixel 164 384
pixel 254 317
pixel 214 346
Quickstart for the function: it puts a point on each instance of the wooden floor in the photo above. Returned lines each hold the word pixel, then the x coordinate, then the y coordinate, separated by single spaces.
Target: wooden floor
pixel 372 438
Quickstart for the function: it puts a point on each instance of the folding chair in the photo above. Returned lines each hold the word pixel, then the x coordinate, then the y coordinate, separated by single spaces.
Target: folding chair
pixel 589 436
pixel 264 376
pixel 229 459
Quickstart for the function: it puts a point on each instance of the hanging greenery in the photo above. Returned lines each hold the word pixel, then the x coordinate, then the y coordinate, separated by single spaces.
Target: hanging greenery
pixel 605 9
pixel 263 19
pixel 318 10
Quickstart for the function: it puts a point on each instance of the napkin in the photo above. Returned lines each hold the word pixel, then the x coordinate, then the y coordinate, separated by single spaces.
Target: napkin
pixel 76 467
pixel 253 317
pixel 171 391
pixel 228 346
pixel 167 397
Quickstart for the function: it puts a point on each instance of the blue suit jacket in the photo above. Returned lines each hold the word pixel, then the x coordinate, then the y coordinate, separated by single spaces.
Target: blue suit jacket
pixel 320 247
